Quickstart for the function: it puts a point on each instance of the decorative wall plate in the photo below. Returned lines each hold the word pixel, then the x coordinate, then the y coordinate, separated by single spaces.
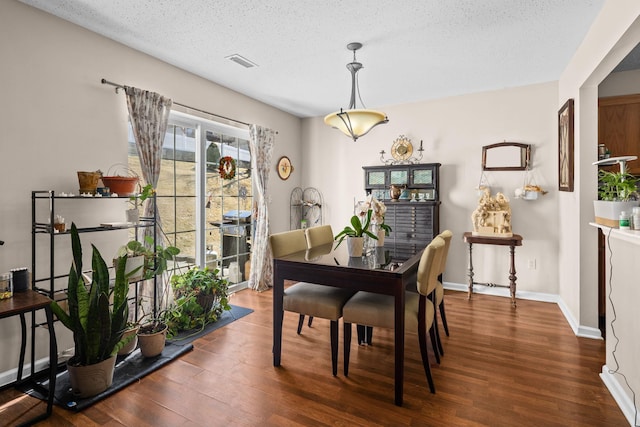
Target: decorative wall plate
pixel 402 149
pixel 284 167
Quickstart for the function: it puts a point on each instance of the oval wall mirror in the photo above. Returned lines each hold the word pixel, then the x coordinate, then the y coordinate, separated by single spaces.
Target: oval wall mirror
pixel 506 156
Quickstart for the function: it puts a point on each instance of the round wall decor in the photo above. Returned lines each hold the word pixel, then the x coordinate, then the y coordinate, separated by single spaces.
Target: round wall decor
pixel 284 168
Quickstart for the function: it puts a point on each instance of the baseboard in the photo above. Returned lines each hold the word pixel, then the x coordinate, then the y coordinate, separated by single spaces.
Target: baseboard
pixel 617 390
pixel 578 330
pixel 501 292
pixel 8 377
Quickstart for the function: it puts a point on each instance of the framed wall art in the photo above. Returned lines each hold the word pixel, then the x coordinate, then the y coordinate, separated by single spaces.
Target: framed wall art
pixel 565 147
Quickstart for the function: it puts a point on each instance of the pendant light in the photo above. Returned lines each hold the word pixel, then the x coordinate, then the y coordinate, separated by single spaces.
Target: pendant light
pixel 355 122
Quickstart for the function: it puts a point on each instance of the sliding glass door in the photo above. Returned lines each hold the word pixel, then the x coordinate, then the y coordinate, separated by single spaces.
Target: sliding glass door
pixel 204 194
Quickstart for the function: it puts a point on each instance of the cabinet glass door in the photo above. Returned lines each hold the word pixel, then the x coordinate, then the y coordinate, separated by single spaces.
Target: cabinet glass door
pixel 399 177
pixel 376 179
pixel 422 176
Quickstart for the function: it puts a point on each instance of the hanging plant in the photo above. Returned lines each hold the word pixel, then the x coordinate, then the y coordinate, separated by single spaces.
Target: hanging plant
pixel 227 167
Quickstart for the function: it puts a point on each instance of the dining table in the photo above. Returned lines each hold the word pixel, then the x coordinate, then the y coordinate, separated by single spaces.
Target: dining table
pixel 377 270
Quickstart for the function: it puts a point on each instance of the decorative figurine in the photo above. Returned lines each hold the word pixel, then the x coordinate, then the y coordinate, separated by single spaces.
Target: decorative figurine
pixel 492 217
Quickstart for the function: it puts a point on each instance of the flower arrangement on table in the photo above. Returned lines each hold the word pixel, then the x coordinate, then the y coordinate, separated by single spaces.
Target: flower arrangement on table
pixel 377 208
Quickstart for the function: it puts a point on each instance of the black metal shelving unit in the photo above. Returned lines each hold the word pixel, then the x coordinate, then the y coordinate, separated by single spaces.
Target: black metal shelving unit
pixel 45 230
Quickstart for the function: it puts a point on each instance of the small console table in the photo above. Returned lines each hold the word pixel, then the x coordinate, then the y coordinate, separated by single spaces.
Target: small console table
pixel 30 301
pixel 512 242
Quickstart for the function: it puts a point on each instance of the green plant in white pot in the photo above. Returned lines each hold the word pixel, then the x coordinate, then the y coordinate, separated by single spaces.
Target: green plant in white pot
pixel 97 317
pixel 617 192
pixel 355 234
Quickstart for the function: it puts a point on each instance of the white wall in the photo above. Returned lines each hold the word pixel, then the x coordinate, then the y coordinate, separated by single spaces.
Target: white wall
pixel 623 330
pixel 57 118
pixel 453 131
pixel 612 36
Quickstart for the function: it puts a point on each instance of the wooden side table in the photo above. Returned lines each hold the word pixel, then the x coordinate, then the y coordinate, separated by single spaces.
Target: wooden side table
pixel 31 301
pixel 512 242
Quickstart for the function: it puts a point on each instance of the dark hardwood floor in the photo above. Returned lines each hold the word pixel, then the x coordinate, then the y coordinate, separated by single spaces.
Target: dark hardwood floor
pixel 502 367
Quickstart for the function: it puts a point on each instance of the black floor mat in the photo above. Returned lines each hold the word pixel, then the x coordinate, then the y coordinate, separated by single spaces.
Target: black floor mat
pixel 133 367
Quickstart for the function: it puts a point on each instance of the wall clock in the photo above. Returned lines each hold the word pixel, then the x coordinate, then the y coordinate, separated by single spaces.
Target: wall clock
pixel 284 167
pixel 402 149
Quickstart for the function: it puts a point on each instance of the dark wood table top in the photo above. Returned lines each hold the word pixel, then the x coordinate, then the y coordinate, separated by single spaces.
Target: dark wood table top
pixel 22 302
pixel 515 240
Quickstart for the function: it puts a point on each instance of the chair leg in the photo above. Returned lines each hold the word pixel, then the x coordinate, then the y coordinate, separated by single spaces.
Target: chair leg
pixel 435 327
pixel 422 338
pixel 434 342
pixel 300 323
pixel 443 316
pixel 310 321
pixel 347 347
pixel 365 334
pixel 334 347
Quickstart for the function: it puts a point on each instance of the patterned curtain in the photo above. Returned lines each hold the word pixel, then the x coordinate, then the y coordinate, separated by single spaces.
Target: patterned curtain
pixel 149 114
pixel 261 145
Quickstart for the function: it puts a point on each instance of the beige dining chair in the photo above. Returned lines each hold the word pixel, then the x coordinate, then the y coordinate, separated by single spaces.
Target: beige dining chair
pixel 316 236
pixel 377 310
pixel 319 235
pixel 446 235
pixel 310 299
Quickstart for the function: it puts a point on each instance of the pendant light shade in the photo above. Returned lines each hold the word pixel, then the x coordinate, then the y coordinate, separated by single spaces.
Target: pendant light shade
pixel 355 122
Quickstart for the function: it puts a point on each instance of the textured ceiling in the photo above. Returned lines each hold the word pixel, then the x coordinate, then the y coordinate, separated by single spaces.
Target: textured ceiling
pixel 413 50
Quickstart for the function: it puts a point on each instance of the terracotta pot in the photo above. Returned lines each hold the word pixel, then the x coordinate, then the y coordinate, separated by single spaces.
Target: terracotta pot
pixel 121 185
pixel 89 380
pixel 152 344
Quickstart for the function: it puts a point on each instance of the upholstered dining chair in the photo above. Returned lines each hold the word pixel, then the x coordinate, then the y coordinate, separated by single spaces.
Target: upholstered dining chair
pixel 446 235
pixel 316 236
pixel 319 235
pixel 367 308
pixel 310 299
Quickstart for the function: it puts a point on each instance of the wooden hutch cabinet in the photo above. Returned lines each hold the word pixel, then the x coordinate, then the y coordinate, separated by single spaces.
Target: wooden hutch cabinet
pixel 415 217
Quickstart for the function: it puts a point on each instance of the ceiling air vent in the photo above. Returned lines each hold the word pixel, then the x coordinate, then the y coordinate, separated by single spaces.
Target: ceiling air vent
pixel 239 59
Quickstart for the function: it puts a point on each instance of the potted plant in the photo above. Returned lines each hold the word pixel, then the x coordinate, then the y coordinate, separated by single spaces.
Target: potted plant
pixel 355 234
pixel 145 261
pixel 201 295
pixel 617 192
pixel 152 336
pixel 122 185
pixel 133 216
pixel 130 336
pixel 97 324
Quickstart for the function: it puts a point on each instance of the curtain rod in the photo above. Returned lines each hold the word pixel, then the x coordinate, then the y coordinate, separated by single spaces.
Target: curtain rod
pixel 119 86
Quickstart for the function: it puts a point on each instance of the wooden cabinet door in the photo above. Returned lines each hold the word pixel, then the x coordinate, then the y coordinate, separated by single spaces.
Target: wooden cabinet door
pixel 619 128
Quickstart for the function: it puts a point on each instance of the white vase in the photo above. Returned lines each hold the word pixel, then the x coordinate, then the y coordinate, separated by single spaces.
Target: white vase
pixel 354 246
pixel 380 241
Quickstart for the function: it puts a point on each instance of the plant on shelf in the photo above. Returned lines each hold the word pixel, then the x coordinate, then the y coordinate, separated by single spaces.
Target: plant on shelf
pixel 133 215
pixel 201 295
pixel 617 186
pixel 617 193
pixel 155 258
pixel 97 318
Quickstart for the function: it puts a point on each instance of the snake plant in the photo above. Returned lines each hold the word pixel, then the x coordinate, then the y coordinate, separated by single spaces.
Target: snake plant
pixel 96 323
